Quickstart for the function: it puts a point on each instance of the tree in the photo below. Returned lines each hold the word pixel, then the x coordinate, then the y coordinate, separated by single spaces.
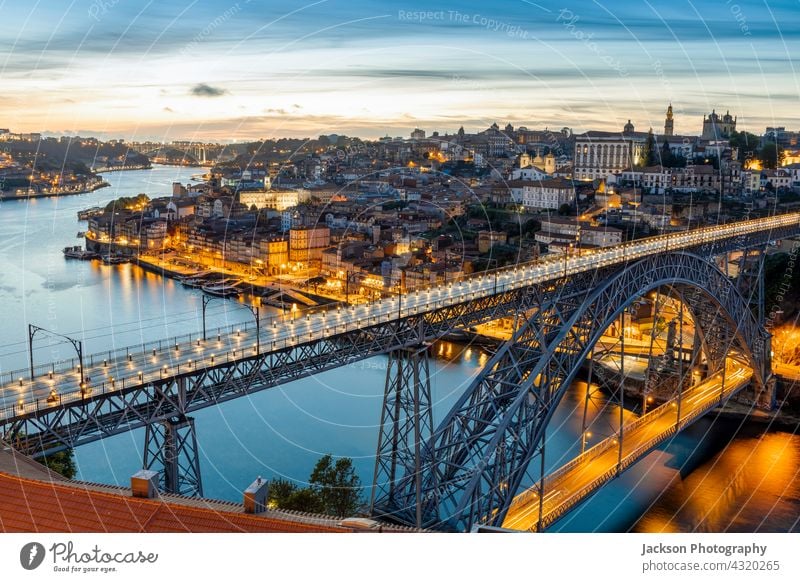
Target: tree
pixel 666 154
pixel 337 485
pixel 304 499
pixel 649 152
pixel 62 462
pixel 771 155
pixel 280 490
pixel 564 210
pixel 530 226
pixel 745 143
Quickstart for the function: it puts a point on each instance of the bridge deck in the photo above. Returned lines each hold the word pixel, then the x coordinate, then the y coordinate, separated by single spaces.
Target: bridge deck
pixel 57 385
pixel 575 481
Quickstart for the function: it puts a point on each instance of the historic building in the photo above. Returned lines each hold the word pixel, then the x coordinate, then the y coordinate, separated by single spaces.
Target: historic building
pixel 599 154
pixel 716 127
pixel 669 122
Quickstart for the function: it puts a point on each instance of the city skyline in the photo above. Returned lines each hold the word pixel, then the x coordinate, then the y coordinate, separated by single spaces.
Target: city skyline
pixel 245 70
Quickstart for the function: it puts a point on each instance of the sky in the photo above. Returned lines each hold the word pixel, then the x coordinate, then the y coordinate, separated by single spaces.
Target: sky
pixel 225 71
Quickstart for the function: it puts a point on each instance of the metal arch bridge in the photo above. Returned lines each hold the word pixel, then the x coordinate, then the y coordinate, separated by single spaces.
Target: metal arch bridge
pixel 466 470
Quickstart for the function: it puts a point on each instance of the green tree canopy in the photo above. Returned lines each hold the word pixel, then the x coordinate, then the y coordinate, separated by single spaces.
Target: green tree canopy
pixel 771 155
pixel 746 143
pixel 62 462
pixel 649 155
pixel 337 485
pixel 304 499
pixel 564 210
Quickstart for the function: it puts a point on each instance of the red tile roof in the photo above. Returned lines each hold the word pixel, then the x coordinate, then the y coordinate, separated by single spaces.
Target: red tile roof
pixel 28 505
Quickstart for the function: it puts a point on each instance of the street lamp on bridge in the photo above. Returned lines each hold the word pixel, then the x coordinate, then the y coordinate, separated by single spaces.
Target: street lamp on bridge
pixel 77 344
pixel 251 308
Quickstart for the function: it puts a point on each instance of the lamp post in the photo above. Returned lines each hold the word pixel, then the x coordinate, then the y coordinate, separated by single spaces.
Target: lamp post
pixel 251 308
pixel 567 252
pixel 77 344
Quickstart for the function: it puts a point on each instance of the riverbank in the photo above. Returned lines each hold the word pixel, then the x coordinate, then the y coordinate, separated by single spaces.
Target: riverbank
pixel 105 170
pixel 259 286
pixel 9 197
pixel 779 419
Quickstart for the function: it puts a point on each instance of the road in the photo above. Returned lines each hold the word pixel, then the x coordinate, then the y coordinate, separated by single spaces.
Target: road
pixel 573 482
pixel 124 368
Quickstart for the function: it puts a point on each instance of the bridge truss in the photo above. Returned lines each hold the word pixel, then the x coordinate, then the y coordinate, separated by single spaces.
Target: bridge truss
pixel 479 453
pixel 466 470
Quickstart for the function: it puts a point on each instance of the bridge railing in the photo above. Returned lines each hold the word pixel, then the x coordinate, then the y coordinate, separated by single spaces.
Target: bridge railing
pixel 592 453
pixel 119 354
pixel 580 494
pixel 503 279
pixel 631 457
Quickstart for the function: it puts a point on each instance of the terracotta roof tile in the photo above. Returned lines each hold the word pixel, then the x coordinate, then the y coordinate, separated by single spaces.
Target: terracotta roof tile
pixel 28 505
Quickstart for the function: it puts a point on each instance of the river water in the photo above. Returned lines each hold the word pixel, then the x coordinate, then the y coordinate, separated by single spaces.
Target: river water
pixel 715 476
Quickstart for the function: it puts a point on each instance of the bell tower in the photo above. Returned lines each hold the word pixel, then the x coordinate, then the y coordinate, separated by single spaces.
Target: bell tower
pixel 669 127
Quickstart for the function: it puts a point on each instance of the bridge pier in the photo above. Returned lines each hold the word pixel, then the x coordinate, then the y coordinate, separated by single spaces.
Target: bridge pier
pixel 762 392
pixel 171 450
pixel 405 430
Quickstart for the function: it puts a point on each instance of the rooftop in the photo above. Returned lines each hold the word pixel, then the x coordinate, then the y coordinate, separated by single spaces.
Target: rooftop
pixel 35 499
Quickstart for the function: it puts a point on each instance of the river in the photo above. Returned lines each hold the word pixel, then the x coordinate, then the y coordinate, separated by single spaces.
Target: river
pixel 715 476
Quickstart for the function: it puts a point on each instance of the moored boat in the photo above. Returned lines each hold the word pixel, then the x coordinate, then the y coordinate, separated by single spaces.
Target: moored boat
pixel 223 288
pixel 114 259
pixel 78 252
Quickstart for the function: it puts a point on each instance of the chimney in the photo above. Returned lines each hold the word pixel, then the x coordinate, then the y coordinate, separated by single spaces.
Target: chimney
pixel 144 483
pixel 255 496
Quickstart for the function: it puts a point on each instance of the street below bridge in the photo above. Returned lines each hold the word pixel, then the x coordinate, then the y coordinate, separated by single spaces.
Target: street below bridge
pixel 575 481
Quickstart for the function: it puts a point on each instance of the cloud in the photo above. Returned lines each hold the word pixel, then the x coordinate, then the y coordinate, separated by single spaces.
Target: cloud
pixel 169 110
pixel 203 90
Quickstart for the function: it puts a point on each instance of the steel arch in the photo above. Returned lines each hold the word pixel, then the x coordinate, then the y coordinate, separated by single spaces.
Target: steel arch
pixel 481 449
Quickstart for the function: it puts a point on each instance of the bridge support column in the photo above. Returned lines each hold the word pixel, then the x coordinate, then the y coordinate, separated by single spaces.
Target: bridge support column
pixel 405 431
pixel 171 449
pixel 750 283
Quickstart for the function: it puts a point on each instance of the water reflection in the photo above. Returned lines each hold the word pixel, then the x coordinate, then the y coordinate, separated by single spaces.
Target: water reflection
pixel 750 485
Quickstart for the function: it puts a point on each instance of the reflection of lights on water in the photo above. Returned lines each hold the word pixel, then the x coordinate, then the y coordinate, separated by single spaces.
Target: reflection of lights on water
pixel 749 479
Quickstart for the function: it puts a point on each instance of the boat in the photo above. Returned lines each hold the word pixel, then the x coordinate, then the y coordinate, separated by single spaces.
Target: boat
pixel 78 252
pixel 197 275
pixel 194 283
pixel 223 288
pixel 90 212
pixel 81 234
pixel 203 279
pixel 114 259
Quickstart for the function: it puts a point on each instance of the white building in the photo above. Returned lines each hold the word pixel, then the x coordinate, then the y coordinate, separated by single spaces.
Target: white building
pixel 278 199
pixel 779 178
pixel 599 154
pixel 529 173
pixel 548 194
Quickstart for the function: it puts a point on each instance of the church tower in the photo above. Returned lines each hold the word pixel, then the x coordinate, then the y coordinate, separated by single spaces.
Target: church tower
pixel 669 123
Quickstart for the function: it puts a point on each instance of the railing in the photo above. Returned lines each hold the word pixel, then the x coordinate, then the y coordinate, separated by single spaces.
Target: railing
pixel 630 457
pixel 593 452
pixel 500 280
